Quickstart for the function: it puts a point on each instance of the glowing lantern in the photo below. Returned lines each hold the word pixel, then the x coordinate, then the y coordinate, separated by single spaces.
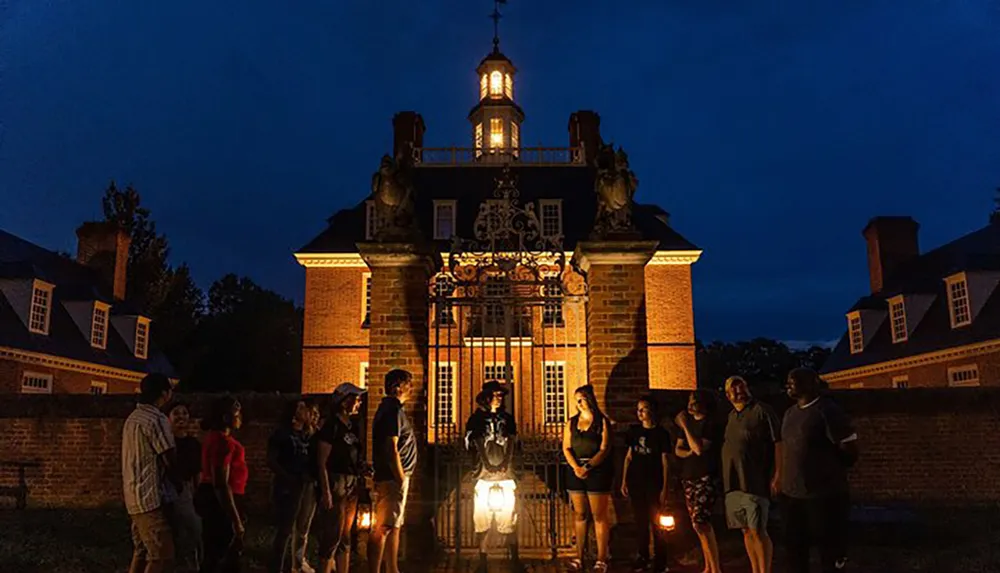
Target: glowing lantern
pixel 365 518
pixel 666 522
pixel 495 499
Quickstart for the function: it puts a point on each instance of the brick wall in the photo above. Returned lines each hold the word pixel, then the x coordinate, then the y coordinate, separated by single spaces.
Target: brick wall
pixel 670 327
pixel 63 381
pixel 927 375
pixel 333 340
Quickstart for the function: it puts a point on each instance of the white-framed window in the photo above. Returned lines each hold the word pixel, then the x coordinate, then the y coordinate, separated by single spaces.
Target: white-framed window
pixel 36 383
pixel 444 218
pixel 484 83
pixel 371 220
pixel 141 337
pixel 99 325
pixel 554 392
pixel 40 311
pixel 98 388
pixel 479 138
pixel 550 211
pixel 363 375
pixel 508 86
pixel 855 334
pixel 496 132
pixel 897 319
pixel 856 385
pixel 901 382
pixel 444 394
pixel 552 308
pixel 496 83
pixel 366 299
pixel 498 371
pixel 958 300
pixel 495 289
pixel 964 375
pixel 444 287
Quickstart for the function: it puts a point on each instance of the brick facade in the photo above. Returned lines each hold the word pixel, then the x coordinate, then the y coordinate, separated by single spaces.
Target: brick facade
pixel 334 337
pixel 930 373
pixel 617 362
pixel 670 326
pixel 63 380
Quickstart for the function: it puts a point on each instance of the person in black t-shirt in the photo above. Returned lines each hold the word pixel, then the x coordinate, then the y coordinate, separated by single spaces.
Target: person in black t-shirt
pixel 340 467
pixel 288 459
pixel 492 434
pixel 645 481
pixel 697 447
pixel 185 520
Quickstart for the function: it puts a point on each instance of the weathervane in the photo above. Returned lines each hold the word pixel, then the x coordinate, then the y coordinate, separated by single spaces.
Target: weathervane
pixel 495 16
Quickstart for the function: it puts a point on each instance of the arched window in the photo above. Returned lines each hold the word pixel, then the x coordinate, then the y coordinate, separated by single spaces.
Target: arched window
pixel 496 83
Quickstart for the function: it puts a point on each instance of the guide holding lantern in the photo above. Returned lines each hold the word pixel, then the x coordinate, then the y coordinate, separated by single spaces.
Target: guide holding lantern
pixel 492 433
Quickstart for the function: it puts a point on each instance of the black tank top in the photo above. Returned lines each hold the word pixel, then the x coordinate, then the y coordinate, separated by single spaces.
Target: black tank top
pixel 585 443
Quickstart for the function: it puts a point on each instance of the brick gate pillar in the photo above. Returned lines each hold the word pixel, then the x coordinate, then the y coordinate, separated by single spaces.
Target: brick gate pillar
pixel 398 338
pixel 617 357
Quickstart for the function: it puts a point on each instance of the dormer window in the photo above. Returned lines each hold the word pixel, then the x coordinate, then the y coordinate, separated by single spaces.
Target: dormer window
pixel 39 314
pixel 897 318
pixel 958 300
pixel 550 211
pixel 444 219
pixel 496 84
pixel 142 338
pixel 854 332
pixel 99 325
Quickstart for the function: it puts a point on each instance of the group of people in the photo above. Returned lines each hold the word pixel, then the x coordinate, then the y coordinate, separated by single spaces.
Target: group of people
pixel 185 498
pixel 753 457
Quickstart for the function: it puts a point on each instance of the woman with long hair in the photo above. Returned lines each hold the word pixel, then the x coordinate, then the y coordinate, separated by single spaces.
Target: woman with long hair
pixel 187 524
pixel 340 467
pixel 698 449
pixel 223 480
pixel 587 449
pixel 291 490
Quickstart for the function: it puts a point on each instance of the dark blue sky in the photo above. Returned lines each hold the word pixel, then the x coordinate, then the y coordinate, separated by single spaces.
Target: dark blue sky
pixel 770 130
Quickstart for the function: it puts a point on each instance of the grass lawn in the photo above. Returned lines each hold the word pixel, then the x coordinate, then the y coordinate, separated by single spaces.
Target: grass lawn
pixel 91 541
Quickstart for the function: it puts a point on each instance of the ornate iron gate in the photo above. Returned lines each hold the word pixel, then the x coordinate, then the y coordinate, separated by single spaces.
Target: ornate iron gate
pixel 508 307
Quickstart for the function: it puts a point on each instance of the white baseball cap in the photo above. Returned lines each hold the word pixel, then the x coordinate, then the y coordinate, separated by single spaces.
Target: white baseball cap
pixel 347 389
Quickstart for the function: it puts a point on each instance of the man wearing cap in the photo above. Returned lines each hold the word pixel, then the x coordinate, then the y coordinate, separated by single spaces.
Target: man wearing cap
pixel 394 455
pixel 492 433
pixel 340 467
pixel 752 447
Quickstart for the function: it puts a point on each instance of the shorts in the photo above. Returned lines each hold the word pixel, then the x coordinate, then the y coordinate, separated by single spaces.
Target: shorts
pixel 501 510
pixel 599 480
pixel 746 511
pixel 333 526
pixel 700 495
pixel 152 538
pixel 390 503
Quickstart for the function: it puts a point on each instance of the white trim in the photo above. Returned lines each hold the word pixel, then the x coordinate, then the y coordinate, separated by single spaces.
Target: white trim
pixel 565 397
pixel 675 257
pixel 363 375
pixel 900 303
pixel 365 297
pixel 433 418
pixel 948 282
pixel 490 341
pixel 453 204
pixel 957 371
pixel 98 385
pixel 61 363
pixel 339 260
pixel 901 382
pixel 542 204
pixel 143 321
pixel 100 308
pixel 36 376
pixel 852 386
pixel 41 286
pixel 959 352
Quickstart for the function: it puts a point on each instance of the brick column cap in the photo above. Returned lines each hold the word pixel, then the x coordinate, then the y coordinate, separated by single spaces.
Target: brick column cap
pixel 589 253
pixel 400 255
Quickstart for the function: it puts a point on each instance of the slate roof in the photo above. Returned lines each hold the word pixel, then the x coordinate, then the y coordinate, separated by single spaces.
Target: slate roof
pixel 925 274
pixel 471 185
pixel 21 259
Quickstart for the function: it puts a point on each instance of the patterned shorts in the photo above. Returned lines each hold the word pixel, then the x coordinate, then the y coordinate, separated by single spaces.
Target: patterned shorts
pixel 700 496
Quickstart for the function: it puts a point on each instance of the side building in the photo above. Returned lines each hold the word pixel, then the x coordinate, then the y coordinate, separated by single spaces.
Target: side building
pixel 930 320
pixel 66 325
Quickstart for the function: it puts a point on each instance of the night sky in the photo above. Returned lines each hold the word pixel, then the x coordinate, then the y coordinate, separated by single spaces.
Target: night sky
pixel 772 131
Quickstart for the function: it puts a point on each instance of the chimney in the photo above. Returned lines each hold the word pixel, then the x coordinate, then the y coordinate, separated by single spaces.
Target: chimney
pixel 407 129
pixel 891 242
pixel 104 246
pixel 585 131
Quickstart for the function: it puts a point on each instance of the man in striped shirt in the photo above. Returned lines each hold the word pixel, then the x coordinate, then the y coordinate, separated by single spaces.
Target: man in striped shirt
pixel 147 452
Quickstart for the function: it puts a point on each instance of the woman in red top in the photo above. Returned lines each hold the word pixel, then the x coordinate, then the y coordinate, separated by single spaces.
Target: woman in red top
pixel 223 481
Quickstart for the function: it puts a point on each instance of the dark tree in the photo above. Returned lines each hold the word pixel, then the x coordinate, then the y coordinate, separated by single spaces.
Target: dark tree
pixel 763 362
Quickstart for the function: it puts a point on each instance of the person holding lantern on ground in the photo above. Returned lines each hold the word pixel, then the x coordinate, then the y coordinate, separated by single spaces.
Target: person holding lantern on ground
pixel 492 434
pixel 341 470
pixel 644 482
pixel 697 447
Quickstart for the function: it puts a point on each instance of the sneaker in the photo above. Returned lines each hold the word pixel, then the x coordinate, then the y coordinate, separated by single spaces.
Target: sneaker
pixel 840 563
pixel 640 564
pixel 600 567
